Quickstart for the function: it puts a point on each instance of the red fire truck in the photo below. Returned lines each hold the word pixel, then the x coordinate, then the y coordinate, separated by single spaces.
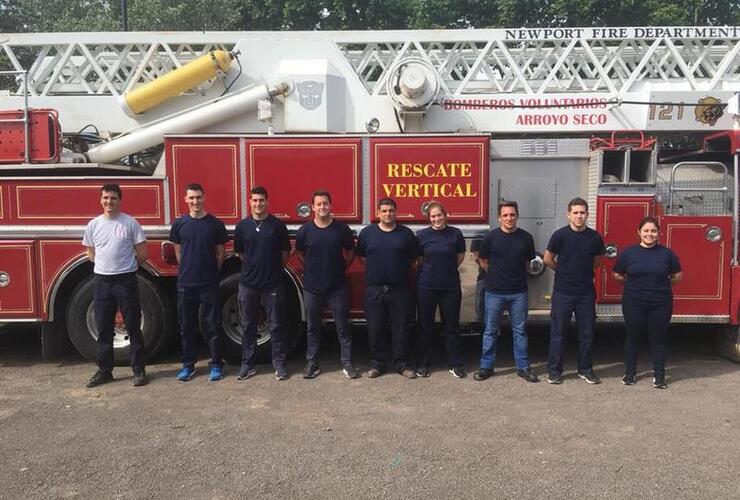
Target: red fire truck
pixel 637 121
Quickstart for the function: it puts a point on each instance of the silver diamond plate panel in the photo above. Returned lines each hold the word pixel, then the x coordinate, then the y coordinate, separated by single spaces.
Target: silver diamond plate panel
pixel 548 148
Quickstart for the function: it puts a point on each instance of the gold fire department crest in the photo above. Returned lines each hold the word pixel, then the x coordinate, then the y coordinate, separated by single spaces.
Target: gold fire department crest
pixel 709 110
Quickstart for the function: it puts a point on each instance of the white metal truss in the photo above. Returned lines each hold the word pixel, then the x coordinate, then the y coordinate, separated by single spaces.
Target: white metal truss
pixel 467 61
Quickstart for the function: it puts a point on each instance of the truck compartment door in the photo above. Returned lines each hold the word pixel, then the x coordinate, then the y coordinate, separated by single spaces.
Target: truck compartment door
pixel 18 298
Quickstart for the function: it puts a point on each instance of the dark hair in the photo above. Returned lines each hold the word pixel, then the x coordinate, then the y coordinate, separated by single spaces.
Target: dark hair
pixel 577 202
pixel 387 201
pixel 435 204
pixel 258 190
pixel 649 220
pixel 508 203
pixel 112 188
pixel 320 192
pixel 194 187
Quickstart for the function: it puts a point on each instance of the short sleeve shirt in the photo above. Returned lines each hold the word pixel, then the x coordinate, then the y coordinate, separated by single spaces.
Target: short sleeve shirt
pixel 323 256
pixel 508 255
pixel 388 254
pixel 439 249
pixel 261 244
pixel 648 273
pixel 576 251
pixel 114 239
pixel 198 239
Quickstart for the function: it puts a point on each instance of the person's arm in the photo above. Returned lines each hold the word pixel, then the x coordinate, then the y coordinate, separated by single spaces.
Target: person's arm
pixel 220 254
pixel 142 253
pixel 90 253
pixel 177 252
pixel 676 277
pixel 549 260
pixel 300 255
pixel 460 258
pixel 349 256
pixel 483 263
pixel 597 261
pixel 621 277
pixel 285 255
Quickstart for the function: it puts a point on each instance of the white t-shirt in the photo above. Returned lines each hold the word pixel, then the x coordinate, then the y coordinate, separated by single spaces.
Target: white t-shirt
pixel 114 240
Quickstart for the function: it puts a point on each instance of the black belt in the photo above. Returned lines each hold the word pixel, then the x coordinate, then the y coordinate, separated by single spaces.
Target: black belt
pixel 388 288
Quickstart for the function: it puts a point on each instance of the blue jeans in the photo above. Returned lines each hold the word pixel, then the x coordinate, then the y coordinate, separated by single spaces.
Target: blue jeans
pixel 249 311
pixel 338 301
pixel 518 305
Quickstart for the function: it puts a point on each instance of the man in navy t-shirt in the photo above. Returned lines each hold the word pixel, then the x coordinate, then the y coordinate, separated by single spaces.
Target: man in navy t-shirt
pixel 505 254
pixel 572 253
pixel 261 242
pixel 388 249
pixel 326 247
pixel 199 240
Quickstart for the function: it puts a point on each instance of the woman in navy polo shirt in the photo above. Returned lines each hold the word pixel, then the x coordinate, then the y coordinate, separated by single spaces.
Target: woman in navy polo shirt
pixel 648 271
pixel 441 251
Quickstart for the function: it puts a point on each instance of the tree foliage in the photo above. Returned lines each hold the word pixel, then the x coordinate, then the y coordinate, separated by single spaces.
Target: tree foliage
pixel 258 15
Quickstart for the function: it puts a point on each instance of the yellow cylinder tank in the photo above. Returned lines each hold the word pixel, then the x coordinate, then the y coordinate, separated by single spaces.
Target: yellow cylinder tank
pixel 175 82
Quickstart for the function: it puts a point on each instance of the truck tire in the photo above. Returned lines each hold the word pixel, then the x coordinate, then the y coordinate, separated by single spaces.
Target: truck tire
pixel 156 322
pixel 728 343
pixel 231 343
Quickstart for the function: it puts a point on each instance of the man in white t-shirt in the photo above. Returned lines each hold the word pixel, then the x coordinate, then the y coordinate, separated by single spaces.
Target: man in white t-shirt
pixel 116 244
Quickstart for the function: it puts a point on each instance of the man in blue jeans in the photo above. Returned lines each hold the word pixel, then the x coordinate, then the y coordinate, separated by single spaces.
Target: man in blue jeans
pixel 505 254
pixel 261 242
pixel 200 240
pixel 326 248
pixel 573 252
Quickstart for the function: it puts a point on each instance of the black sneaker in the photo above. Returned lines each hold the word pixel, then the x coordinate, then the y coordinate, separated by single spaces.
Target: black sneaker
pixel 311 370
pixel 408 373
pixel 423 371
pixel 140 379
pixel 626 380
pixel 483 374
pixel 589 377
pixel 281 373
pixel 350 371
pixel 554 379
pixel 244 374
pixel 373 373
pixel 100 377
pixel 527 375
pixel 659 383
pixel 458 372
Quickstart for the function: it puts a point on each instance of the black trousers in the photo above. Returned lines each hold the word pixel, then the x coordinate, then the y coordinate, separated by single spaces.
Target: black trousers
pixel 338 301
pixel 383 305
pixel 645 320
pixel 448 302
pixel 113 292
pixel 188 300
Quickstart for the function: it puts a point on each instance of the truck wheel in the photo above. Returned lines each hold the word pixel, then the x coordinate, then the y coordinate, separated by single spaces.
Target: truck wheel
pixel 156 322
pixel 728 343
pixel 232 332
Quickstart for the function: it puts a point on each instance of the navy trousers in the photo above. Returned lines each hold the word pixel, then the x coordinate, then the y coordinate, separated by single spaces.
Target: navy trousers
pixel 338 301
pixel 188 301
pixel 273 300
pixel 383 305
pixel 562 310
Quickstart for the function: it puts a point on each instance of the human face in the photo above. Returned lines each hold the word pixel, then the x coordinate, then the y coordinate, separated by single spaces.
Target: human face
pixel 437 218
pixel 507 219
pixel 648 235
pixel 577 216
pixel 321 207
pixel 196 201
pixel 110 202
pixel 387 215
pixel 258 204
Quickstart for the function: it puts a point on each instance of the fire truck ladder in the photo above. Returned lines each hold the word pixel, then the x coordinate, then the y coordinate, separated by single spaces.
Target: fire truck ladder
pixel 468 62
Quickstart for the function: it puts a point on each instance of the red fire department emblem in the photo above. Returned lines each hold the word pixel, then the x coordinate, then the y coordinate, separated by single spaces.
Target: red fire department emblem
pixel 708 111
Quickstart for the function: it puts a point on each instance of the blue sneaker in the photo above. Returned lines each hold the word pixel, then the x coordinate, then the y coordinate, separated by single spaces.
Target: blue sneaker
pixel 217 373
pixel 186 373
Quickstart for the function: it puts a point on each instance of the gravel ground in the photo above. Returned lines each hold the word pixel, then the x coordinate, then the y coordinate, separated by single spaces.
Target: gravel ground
pixel 385 438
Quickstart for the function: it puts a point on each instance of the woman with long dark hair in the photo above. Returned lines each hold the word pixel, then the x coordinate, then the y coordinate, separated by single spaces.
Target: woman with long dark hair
pixel 648 271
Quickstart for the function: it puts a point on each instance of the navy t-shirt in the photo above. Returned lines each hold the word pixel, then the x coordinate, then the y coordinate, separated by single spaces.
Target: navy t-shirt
pixel 197 239
pixel 388 254
pixel 576 251
pixel 438 270
pixel 324 263
pixel 508 255
pixel 648 273
pixel 261 244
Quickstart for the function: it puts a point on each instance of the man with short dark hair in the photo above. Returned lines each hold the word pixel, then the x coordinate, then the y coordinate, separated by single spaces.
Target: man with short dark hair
pixel 505 254
pixel 388 249
pixel 116 243
pixel 199 239
pixel 261 242
pixel 326 247
pixel 573 252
